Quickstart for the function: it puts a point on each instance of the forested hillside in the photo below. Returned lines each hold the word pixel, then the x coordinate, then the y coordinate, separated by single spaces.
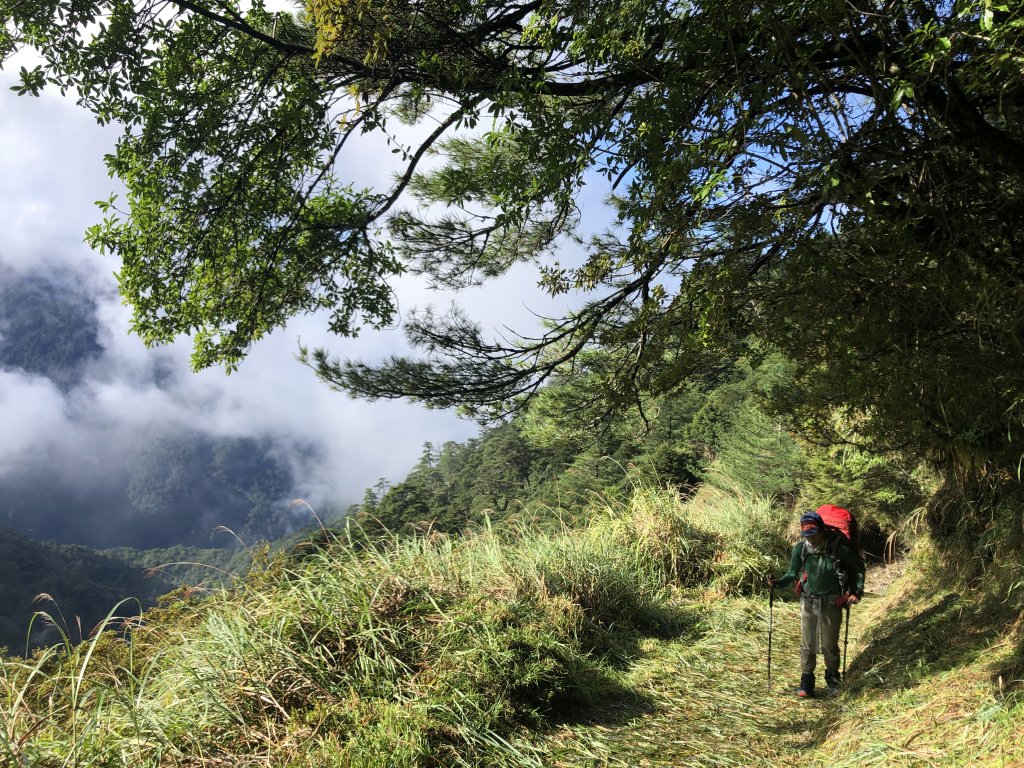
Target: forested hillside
pixel 171 489
pixel 46 328
pixel 723 432
pixel 76 585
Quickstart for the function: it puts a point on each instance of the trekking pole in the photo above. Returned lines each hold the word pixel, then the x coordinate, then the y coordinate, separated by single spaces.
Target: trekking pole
pixel 771 617
pixel 846 639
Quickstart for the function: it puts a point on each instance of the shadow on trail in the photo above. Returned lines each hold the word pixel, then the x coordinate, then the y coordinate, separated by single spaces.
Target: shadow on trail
pixel 915 646
pixel 609 702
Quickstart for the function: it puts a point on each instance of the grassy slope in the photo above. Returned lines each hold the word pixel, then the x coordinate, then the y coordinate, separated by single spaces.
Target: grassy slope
pixel 939 681
pixel 625 643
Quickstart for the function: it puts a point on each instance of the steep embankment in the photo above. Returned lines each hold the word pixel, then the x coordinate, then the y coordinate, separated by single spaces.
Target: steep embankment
pixel 938 680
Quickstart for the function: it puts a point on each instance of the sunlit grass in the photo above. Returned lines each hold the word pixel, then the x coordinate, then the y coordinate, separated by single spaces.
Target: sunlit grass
pixel 940 680
pixel 636 639
pixel 425 648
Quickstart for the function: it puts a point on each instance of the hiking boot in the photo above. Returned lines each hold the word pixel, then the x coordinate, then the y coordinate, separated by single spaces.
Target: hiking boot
pixel 832 683
pixel 806 689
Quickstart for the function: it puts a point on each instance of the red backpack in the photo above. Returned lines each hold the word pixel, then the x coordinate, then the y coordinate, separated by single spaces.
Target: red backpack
pixel 842 523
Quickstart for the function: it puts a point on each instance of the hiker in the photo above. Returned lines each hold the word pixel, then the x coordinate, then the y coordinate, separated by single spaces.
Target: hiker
pixel 831 577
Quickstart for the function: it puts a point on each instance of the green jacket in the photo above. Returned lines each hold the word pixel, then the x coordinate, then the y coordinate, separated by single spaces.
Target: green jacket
pixel 822 578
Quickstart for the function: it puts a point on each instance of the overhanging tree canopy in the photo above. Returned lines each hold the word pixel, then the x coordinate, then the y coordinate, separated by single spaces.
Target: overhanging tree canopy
pixel 839 180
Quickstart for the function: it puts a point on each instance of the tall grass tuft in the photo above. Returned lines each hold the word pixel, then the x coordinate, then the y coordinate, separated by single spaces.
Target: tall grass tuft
pixel 750 534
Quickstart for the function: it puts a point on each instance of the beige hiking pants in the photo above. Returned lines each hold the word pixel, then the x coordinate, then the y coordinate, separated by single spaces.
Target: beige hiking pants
pixel 820 622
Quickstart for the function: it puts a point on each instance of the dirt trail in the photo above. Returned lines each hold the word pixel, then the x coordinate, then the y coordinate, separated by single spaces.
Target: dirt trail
pixel 705 696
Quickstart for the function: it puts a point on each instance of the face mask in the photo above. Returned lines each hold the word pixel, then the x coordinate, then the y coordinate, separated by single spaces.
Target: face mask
pixel 810 547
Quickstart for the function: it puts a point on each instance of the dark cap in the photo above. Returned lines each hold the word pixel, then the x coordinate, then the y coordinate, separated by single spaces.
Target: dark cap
pixel 810 524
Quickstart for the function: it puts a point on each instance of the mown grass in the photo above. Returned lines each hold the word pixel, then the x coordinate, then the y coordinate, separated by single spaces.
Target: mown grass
pixel 708 703
pixel 940 679
pixel 637 639
pixel 935 679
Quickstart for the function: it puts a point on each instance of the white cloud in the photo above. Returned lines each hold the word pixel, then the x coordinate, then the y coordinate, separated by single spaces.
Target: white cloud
pixel 32 410
pixel 51 172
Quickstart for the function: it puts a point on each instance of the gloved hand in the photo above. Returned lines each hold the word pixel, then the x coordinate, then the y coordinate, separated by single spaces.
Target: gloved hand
pixel 845 601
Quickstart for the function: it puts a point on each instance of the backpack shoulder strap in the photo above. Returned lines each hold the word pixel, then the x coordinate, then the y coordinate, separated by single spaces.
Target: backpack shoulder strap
pixel 802 577
pixel 832 548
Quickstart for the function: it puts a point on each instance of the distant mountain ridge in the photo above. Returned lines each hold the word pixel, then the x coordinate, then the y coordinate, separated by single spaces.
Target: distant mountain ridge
pixel 159 496
pixel 47 329
pixel 82 586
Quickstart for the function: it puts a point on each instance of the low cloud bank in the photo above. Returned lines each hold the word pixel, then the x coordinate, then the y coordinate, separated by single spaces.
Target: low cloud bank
pixel 86 431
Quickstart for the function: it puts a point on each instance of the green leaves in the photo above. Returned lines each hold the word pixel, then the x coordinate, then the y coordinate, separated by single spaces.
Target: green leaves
pixel 233 220
pixel 904 92
pixel 32 81
pixel 761 165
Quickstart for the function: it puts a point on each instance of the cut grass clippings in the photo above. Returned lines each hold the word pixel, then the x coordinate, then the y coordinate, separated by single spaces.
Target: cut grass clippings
pixel 708 702
pixel 937 684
